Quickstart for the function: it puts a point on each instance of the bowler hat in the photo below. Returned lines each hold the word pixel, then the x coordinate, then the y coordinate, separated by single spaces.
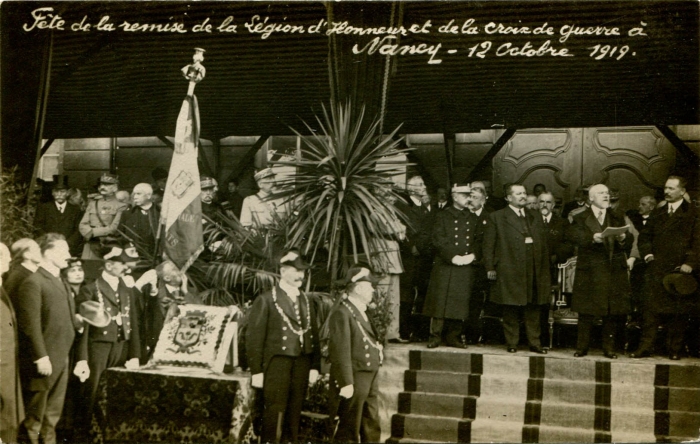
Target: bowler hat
pixel 159 173
pixel 95 314
pixel 60 182
pixel 680 284
pixel 293 258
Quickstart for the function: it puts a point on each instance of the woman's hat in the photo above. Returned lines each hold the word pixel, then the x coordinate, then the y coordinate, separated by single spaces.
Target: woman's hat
pixel 95 314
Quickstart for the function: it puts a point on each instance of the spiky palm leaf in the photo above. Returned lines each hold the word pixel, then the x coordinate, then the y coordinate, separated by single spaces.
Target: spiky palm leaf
pixel 336 186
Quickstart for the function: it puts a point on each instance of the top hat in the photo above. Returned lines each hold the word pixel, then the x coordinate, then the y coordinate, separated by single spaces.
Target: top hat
pixel 461 188
pixel 109 178
pixel 293 258
pixel 60 182
pixel 264 173
pixel 360 273
pixel 680 284
pixel 95 314
pixel 207 182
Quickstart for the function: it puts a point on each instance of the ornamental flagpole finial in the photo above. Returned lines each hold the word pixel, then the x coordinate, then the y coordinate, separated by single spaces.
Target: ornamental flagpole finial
pixel 195 72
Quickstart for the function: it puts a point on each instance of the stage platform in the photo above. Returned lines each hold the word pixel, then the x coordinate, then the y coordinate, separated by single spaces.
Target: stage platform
pixel 485 394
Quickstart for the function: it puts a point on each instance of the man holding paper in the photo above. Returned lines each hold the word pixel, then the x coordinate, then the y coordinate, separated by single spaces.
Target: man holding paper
pixel 601 286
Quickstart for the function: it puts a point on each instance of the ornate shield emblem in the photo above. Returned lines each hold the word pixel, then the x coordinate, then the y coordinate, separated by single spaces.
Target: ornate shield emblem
pixel 188 332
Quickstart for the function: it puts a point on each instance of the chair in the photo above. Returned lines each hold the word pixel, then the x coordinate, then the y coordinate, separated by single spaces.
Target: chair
pixel 560 312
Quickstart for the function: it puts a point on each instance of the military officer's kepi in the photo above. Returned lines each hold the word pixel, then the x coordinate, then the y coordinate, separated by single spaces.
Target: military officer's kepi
pixel 109 178
pixel 263 174
pixel 116 253
pixel 207 182
pixel 461 188
pixel 293 258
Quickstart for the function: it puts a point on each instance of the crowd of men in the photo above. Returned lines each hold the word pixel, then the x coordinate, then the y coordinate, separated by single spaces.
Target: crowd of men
pixel 447 259
pixel 639 266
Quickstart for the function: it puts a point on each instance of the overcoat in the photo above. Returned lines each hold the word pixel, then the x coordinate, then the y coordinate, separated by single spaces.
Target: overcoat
pixel 504 251
pixel 46 320
pixel 601 283
pixel 11 405
pixel 455 233
pixel 268 334
pixel 674 241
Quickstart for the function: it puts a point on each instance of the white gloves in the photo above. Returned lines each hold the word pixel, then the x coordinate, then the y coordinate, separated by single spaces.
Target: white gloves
pixel 630 262
pixel 43 366
pixel 465 259
pixel 128 280
pixel 257 380
pixel 132 364
pixel 149 277
pixel 313 376
pixel 82 370
pixel 347 391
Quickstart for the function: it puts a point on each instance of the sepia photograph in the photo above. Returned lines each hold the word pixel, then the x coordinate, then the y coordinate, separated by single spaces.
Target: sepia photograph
pixel 350 221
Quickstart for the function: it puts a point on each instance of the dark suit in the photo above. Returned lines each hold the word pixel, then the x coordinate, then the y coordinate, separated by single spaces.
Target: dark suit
pixel 17 274
pixel 355 358
pixel 49 220
pixel 674 241
pixel 12 405
pixel 601 285
pixel 143 228
pixel 277 351
pixel 103 346
pixel 47 325
pixel 638 273
pixel 516 248
pixel 414 282
pixel 473 328
pixel 154 315
pixel 569 207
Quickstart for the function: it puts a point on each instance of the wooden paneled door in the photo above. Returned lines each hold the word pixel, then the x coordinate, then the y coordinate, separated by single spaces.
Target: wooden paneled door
pixel 634 160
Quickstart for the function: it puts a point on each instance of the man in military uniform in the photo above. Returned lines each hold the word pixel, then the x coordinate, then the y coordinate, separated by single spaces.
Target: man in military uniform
pixel 102 215
pixel 457 237
pixel 103 345
pixel 355 355
pixel 283 351
pixel 258 209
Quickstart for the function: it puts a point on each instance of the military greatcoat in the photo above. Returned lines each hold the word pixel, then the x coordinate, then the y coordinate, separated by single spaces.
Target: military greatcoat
pixel 455 233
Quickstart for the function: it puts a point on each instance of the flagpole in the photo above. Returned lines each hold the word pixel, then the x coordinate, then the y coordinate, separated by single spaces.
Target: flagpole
pixel 180 228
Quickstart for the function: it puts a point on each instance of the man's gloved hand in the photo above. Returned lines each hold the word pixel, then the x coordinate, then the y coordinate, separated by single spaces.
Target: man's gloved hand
pixel 313 376
pixel 43 366
pixel 257 380
pixel 347 391
pixel 82 370
pixel 132 364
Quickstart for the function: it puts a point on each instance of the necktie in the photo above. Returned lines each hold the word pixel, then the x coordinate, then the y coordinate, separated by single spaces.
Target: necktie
pixel 522 213
pixel 601 218
pixel 670 210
